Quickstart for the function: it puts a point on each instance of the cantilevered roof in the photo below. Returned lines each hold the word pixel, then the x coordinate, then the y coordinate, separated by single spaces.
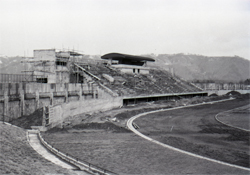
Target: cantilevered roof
pixel 119 56
pixel 75 53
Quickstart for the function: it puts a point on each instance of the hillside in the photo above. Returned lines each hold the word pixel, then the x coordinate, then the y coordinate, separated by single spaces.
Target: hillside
pixel 198 67
pixel 11 65
pixel 188 66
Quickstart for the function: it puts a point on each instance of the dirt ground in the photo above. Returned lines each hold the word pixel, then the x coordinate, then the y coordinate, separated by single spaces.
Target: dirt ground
pixel 120 116
pixel 239 117
pixel 195 130
pixel 26 121
pixel 102 139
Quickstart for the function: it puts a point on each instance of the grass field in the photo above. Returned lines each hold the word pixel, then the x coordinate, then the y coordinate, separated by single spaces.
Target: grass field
pixel 117 149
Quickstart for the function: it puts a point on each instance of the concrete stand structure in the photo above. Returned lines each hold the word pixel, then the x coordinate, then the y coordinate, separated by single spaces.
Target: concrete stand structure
pixel 128 63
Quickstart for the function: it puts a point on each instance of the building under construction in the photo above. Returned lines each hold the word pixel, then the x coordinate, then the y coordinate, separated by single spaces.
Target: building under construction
pixel 52 66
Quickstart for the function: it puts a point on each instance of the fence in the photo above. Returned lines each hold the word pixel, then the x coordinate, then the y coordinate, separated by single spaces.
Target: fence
pixel 79 163
pixel 17 78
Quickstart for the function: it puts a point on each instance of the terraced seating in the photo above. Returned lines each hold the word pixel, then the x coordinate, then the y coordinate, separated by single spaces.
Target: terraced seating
pixel 157 82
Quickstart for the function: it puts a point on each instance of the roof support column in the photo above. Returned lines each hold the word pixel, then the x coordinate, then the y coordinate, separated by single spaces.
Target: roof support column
pixel 110 61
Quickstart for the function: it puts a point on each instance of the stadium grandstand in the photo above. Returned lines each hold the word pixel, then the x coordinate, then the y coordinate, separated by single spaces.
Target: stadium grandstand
pixel 130 77
pixel 127 84
pixel 123 75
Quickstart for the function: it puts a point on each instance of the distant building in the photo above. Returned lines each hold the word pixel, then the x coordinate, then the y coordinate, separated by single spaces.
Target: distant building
pixel 128 63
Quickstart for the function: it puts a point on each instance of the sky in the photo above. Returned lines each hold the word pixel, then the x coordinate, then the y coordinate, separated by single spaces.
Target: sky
pixel 205 27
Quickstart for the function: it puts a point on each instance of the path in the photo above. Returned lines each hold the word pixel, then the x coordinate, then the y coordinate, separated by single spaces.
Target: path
pixel 39 148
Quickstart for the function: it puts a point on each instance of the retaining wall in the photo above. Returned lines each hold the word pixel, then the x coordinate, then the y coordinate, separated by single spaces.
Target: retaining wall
pixel 18 99
pixel 59 113
pixel 223 92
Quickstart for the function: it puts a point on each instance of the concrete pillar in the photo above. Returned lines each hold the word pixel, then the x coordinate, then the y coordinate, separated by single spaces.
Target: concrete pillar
pixel 6 107
pixel 66 96
pixel 80 94
pixel 22 102
pixel 66 92
pixel 43 121
pixel 37 100
pixel 51 98
pixel 110 61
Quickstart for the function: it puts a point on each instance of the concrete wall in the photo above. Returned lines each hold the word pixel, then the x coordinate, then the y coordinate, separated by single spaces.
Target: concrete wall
pixel 68 110
pixel 100 100
pixel 42 88
pixel 44 102
pixel 130 69
pixel 221 86
pixel 49 54
pixel 18 99
pixel 1 110
pixel 29 108
pixel 62 77
pixel 137 71
pixel 54 72
pixel 14 109
pixel 223 92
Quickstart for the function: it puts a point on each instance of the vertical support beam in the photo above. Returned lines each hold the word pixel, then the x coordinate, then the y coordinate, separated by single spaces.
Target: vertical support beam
pixel 66 96
pixel 37 100
pixel 44 121
pixel 77 78
pixel 110 61
pixel 66 93
pixel 51 98
pixel 80 94
pixel 94 92
pixel 22 102
pixel 6 107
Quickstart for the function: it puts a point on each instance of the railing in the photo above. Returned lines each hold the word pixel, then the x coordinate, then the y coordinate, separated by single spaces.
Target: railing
pixel 83 165
pixel 98 79
pixel 16 78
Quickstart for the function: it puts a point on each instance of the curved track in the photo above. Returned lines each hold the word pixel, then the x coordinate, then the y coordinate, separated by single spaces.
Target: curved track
pixel 187 126
pixel 231 118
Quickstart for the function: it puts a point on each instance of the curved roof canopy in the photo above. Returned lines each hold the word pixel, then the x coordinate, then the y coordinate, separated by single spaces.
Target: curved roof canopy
pixel 119 56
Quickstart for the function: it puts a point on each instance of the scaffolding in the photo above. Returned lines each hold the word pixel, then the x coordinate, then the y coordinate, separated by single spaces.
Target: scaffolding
pixel 54 66
pixel 18 78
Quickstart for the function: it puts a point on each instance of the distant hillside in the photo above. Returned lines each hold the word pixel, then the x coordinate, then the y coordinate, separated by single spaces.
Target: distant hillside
pixel 11 65
pixel 189 67
pixel 198 67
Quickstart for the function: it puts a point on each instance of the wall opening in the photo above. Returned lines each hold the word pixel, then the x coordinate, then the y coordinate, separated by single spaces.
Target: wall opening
pixel 42 80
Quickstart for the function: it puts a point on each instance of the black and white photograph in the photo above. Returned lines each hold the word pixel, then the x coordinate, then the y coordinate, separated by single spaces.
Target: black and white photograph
pixel 130 87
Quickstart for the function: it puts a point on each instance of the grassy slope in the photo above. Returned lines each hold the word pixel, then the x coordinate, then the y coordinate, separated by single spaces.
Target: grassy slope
pixel 17 157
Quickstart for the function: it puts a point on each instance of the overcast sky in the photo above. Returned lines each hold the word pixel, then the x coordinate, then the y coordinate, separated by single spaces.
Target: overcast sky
pixel 206 27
